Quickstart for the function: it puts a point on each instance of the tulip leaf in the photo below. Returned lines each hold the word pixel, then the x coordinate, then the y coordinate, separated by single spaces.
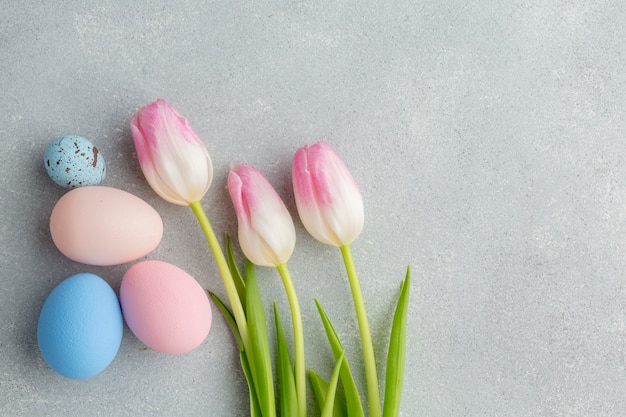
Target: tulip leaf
pixel 329 403
pixel 320 389
pixel 261 363
pixel 229 317
pixel 255 410
pixel 353 400
pixel 288 400
pixel 397 349
pixel 319 386
pixel 234 270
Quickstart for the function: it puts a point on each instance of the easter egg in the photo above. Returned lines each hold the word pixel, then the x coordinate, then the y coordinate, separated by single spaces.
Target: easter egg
pixel 104 226
pixel 165 307
pixel 80 326
pixel 72 161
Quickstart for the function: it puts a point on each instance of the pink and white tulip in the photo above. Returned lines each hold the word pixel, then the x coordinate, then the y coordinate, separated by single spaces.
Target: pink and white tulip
pixel 327 197
pixel 172 157
pixel 267 235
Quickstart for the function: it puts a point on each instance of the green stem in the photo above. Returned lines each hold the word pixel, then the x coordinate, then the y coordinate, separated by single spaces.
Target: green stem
pixel 222 266
pixel 298 336
pixel 366 338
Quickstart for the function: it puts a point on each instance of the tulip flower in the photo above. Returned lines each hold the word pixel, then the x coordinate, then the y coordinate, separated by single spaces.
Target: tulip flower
pixel 178 167
pixel 267 237
pixel 266 232
pixel 172 157
pixel 328 200
pixel 331 209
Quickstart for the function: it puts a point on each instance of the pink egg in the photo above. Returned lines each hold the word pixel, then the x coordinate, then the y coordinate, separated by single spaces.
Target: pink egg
pixel 104 226
pixel 165 307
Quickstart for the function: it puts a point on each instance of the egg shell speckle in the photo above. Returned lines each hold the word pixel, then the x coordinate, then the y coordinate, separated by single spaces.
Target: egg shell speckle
pixel 104 226
pixel 80 326
pixel 165 307
pixel 72 161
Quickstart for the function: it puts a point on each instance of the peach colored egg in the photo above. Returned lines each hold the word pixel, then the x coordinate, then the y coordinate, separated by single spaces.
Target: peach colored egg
pixel 104 226
pixel 165 307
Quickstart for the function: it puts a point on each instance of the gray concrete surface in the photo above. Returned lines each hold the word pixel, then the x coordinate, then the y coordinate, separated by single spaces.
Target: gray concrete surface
pixel 488 139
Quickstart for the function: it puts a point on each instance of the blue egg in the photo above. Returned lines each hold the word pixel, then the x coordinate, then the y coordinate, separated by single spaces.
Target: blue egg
pixel 72 161
pixel 80 326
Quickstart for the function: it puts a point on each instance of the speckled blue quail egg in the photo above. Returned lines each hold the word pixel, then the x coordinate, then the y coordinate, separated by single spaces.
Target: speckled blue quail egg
pixel 73 161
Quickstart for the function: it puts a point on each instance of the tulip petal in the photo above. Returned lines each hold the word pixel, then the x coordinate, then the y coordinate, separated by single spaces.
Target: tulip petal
pixel 172 157
pixel 266 232
pixel 327 197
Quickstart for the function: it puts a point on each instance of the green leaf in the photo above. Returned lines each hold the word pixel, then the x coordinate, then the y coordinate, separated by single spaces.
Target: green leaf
pixel 353 400
pixel 319 386
pixel 397 350
pixel 320 389
pixel 255 410
pixel 234 270
pixel 261 365
pixel 229 317
pixel 288 401
pixel 329 403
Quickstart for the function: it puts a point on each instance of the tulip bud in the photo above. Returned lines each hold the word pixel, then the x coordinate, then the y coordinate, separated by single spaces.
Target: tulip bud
pixel 172 157
pixel 266 232
pixel 329 201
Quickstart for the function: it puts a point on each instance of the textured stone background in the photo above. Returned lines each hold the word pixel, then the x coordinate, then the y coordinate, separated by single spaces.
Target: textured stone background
pixel 488 141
